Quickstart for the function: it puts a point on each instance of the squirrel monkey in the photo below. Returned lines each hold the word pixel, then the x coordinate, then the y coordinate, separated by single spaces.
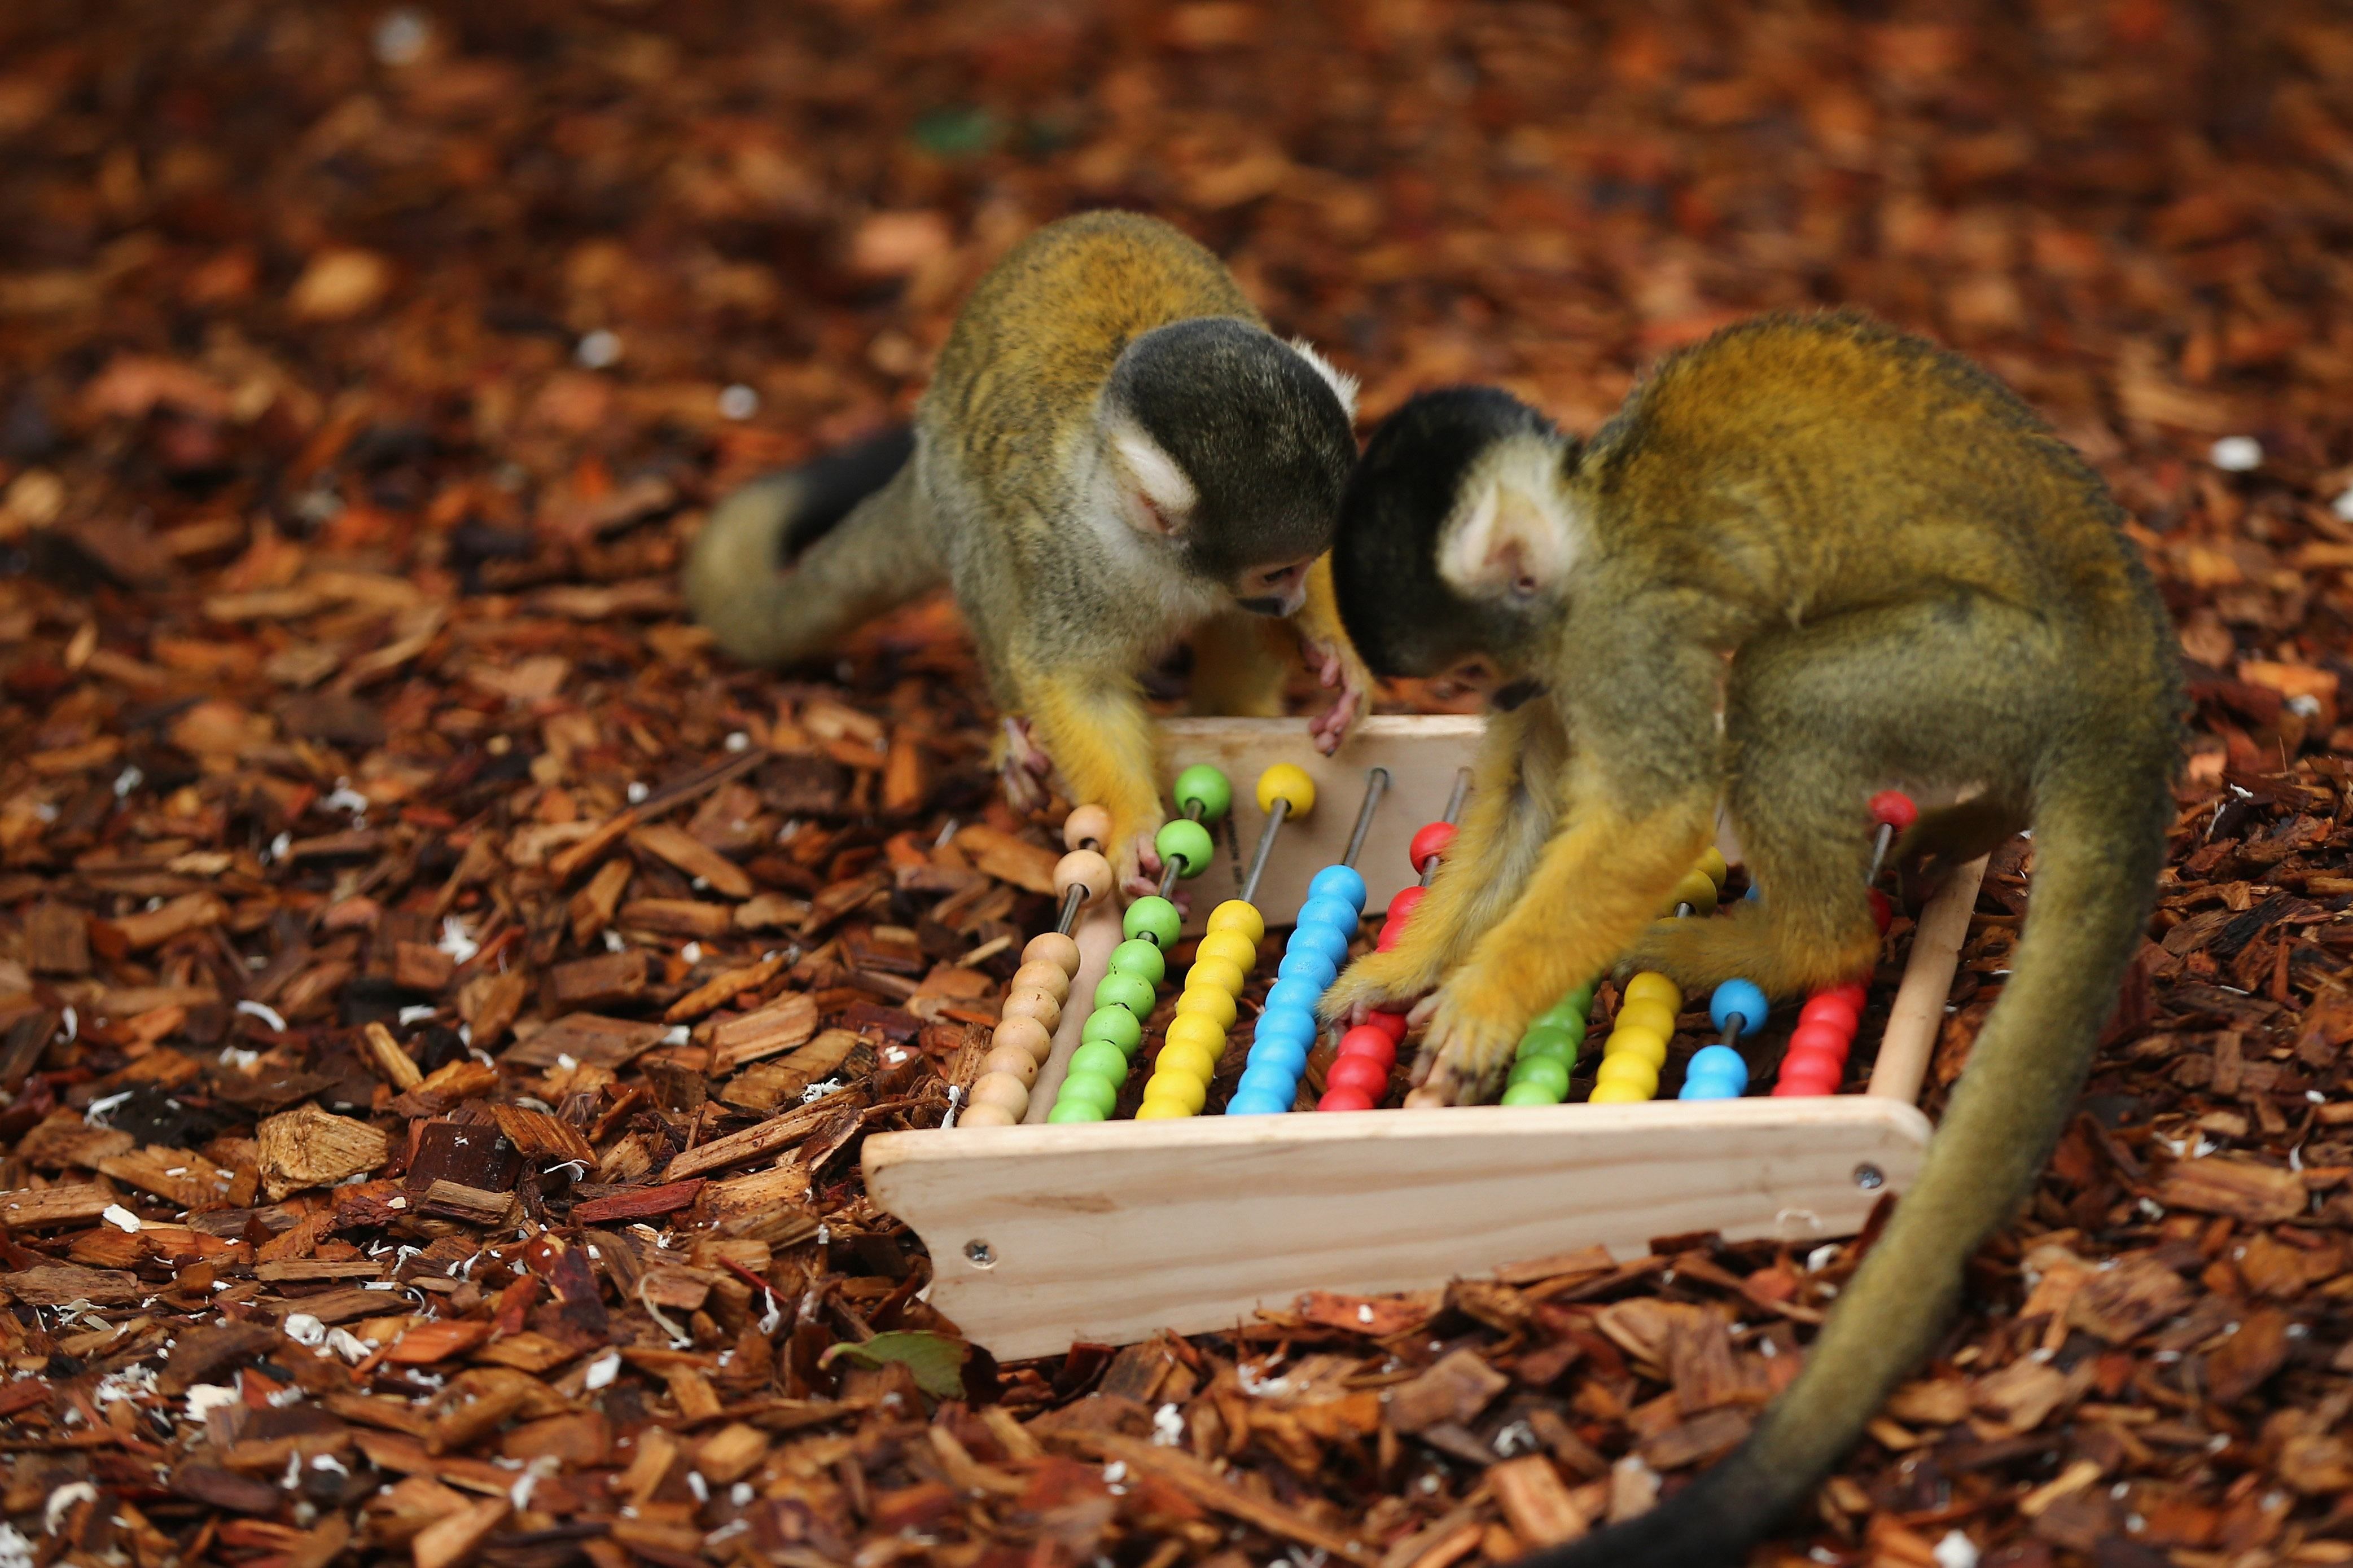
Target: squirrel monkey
pixel 1114 453
pixel 1878 567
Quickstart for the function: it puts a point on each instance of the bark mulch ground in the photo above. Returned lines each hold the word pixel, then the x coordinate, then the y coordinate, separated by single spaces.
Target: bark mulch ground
pixel 401 907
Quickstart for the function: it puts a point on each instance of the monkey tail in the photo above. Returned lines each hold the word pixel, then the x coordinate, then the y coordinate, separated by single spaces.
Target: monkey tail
pixel 790 563
pixel 2100 823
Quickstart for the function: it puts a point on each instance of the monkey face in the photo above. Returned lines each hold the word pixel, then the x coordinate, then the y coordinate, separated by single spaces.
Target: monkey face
pixel 1278 590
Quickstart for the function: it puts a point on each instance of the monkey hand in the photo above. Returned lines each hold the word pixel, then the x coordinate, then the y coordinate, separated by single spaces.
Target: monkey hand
pixel 1337 666
pixel 1390 980
pixel 1023 766
pixel 1135 862
pixel 1469 1045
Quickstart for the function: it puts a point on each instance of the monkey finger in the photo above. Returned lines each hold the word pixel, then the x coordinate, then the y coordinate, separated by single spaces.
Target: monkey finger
pixel 1421 1012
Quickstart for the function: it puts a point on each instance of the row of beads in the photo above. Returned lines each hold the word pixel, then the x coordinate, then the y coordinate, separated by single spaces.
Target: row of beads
pixel 1815 1062
pixel 1719 1072
pixel 1359 1074
pixel 1637 1047
pixel 1287 1028
pixel 1050 964
pixel 1130 989
pixel 1548 1052
pixel 1196 1040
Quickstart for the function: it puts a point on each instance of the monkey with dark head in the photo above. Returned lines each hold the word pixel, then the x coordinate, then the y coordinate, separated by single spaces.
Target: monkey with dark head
pixel 1809 559
pixel 1113 454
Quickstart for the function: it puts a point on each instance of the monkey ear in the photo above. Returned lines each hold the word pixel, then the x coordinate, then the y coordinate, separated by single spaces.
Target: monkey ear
pixel 1343 384
pixel 1165 497
pixel 1506 544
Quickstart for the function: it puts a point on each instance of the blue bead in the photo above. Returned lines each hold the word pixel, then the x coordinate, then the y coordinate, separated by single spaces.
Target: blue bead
pixel 1741 997
pixel 1309 965
pixel 1292 994
pixel 1286 1057
pixel 1329 941
pixel 1754 894
pixel 1268 1077
pixel 1255 1105
pixel 1329 912
pixel 1716 1065
pixel 1295 1024
pixel 1341 882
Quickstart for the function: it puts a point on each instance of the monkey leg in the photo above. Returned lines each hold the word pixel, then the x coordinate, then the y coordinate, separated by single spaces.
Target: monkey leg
pixel 1100 737
pixel 1955 835
pixel 1815 721
pixel 1240 663
pixel 1513 784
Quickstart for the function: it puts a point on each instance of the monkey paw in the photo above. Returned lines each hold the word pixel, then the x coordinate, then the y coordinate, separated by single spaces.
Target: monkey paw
pixel 1378 979
pixel 1748 945
pixel 1337 666
pixel 1468 1048
pixel 1139 866
pixel 1024 767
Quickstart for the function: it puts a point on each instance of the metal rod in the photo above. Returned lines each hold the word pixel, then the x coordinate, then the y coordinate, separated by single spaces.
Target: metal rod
pixel 1071 901
pixel 1258 856
pixel 1879 843
pixel 1377 783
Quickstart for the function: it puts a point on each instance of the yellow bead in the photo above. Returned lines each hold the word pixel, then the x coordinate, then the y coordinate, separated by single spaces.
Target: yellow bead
pixel 1234 915
pixel 1230 945
pixel 1196 1029
pixel 1615 1094
pixel 1655 986
pixel 1646 1015
pixel 1630 1070
pixel 1645 1044
pixel 1161 1111
pixel 1189 1092
pixel 1286 781
pixel 1712 867
pixel 1694 890
pixel 1207 1002
pixel 1222 974
pixel 1187 1060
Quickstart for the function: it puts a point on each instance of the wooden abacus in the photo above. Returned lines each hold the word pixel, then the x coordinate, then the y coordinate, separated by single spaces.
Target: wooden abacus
pixel 1042 1236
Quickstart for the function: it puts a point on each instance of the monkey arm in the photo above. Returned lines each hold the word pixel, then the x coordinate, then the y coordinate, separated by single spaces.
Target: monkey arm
pixel 1637 807
pixel 1332 656
pixel 1503 828
pixel 1095 728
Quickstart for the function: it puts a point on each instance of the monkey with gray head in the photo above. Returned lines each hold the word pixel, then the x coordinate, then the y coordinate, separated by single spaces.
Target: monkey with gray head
pixel 1114 454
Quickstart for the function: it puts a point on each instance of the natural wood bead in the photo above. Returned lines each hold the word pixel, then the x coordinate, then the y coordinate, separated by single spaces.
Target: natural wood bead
pixel 987 1116
pixel 1047 977
pixel 1023 1034
pixel 1012 1060
pixel 1053 947
pixel 1087 827
pixel 1082 867
pixel 1003 1091
pixel 1030 1001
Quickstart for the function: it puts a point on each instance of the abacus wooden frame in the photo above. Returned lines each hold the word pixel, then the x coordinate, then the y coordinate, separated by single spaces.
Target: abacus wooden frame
pixel 1042 1237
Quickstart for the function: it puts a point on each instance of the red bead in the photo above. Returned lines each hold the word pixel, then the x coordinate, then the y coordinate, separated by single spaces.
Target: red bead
pixel 1390 1023
pixel 1388 937
pixel 1824 1037
pixel 1344 1100
pixel 1808 1072
pixel 1791 1088
pixel 1854 992
pixel 1371 1043
pixel 1893 808
pixel 1830 1007
pixel 1401 908
pixel 1359 1075
pixel 1429 844
pixel 1883 914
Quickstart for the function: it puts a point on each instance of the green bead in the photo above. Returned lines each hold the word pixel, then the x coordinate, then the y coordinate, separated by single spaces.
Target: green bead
pixel 1153 919
pixel 1550 1072
pixel 1544 1040
pixel 1101 1059
pixel 1582 997
pixel 1530 1094
pixel 1140 958
pixel 1187 844
pixel 1114 1026
pixel 1088 1088
pixel 1132 992
pixel 1067 1110
pixel 1561 1015
pixel 1206 784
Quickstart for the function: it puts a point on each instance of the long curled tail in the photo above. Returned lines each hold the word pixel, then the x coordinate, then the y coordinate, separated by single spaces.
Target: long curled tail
pixel 790 563
pixel 2100 823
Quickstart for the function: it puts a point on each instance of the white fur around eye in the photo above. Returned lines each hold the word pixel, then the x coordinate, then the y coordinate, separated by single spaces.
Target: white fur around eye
pixel 1513 531
pixel 1343 384
pixel 1156 474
